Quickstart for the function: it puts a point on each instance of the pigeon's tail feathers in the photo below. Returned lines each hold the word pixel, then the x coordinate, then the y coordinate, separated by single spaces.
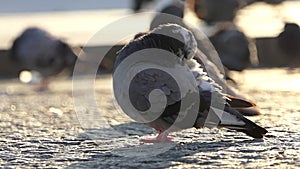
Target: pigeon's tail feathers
pixel 239 103
pixel 251 129
pixel 245 107
pixel 255 132
pixel 249 111
pixel 232 119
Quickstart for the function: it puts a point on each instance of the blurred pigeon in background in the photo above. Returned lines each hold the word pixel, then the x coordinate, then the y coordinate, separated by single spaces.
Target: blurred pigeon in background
pixel 37 50
pixel 184 48
pixel 138 4
pixel 171 13
pixel 272 2
pixel 233 49
pixel 289 42
pixel 212 11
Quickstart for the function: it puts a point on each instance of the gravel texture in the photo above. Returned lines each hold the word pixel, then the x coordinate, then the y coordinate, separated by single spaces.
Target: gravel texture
pixel 41 130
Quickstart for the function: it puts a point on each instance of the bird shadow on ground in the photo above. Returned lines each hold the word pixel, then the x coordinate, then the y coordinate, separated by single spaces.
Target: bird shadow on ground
pixel 119 146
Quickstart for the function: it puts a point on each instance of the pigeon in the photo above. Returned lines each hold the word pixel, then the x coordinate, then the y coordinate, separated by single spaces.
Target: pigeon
pixel 224 41
pixel 289 41
pixel 215 74
pixel 37 50
pixel 138 4
pixel 212 11
pixel 215 108
pixel 173 13
pixel 271 2
pixel 233 49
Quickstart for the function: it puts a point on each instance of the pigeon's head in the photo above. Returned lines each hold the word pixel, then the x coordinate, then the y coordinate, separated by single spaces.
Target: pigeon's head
pixel 291 27
pixel 180 40
pixel 169 37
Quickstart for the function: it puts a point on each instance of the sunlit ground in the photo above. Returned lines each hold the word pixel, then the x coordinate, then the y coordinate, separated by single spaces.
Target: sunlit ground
pixel 273 79
pixel 43 129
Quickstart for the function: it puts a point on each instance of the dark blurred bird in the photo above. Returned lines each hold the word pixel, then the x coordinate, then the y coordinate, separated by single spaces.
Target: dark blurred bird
pixel 37 50
pixel 272 2
pixel 184 49
pixel 212 11
pixel 233 49
pixel 138 4
pixel 171 13
pixel 289 41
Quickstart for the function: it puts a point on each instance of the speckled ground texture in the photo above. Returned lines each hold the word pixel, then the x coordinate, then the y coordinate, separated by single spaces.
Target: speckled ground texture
pixel 41 130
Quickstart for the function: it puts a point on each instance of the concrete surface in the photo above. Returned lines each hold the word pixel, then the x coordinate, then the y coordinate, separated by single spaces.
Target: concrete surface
pixel 42 130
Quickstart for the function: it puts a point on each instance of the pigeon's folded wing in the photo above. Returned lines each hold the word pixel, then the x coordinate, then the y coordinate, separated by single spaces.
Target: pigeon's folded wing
pixel 145 82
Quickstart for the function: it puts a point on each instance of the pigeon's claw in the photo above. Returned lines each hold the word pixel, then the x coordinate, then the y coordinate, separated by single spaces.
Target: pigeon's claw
pixel 161 138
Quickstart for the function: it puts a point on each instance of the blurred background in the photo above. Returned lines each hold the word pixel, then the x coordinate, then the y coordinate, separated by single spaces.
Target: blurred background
pixel 75 22
pixel 244 33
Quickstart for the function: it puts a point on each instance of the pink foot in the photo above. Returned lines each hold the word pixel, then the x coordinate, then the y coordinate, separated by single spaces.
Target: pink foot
pixel 162 137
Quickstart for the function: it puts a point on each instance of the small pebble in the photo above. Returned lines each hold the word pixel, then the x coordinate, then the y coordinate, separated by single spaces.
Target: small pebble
pixel 56 112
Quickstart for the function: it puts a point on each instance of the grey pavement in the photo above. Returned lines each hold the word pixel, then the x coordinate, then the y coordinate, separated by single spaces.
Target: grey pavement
pixel 42 130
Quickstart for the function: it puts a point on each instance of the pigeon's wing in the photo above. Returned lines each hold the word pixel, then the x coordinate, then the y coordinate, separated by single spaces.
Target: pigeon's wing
pixel 214 73
pixel 215 110
pixel 204 81
pixel 144 84
pixel 235 99
pixel 154 92
pixel 210 68
pixel 229 118
pixel 211 116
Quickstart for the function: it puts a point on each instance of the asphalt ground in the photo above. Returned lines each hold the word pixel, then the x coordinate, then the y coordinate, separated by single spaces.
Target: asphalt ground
pixel 43 130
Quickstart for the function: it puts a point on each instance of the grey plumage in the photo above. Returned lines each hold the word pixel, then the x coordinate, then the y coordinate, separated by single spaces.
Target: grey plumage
pixel 233 49
pixel 206 54
pixel 35 49
pixel 213 109
pixel 289 41
pixel 212 11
